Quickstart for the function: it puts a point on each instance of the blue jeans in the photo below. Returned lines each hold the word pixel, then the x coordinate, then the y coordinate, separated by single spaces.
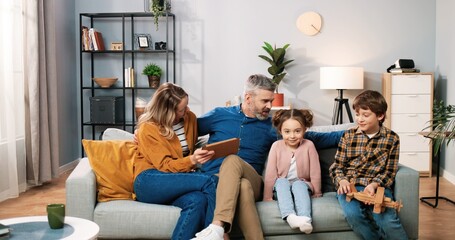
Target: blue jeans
pixel 194 193
pixel 293 198
pixel 369 225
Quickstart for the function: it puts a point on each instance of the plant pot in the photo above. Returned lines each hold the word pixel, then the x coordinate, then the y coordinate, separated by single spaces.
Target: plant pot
pixel 279 100
pixel 154 81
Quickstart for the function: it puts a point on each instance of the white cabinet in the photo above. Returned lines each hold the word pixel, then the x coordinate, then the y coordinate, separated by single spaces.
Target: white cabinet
pixel 410 100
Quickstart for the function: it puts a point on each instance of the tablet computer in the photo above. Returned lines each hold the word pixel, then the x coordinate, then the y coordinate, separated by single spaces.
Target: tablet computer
pixel 223 148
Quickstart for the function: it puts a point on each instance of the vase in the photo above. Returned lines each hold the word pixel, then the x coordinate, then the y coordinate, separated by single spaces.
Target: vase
pixel 154 81
pixel 278 100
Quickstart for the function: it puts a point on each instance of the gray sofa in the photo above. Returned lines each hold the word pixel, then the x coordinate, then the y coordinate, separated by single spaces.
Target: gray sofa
pixel 124 219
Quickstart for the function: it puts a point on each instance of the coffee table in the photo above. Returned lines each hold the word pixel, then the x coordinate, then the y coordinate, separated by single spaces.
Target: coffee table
pixel 37 227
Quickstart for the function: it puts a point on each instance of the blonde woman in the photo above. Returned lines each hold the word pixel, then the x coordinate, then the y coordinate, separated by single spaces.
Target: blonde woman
pixel 166 160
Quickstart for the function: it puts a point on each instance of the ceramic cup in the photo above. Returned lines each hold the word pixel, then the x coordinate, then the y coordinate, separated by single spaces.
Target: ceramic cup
pixel 56 215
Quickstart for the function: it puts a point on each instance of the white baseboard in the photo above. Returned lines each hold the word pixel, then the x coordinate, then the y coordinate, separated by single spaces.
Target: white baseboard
pixel 68 167
pixel 447 175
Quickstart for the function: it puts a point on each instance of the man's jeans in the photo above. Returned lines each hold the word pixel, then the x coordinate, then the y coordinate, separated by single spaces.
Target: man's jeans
pixel 369 225
pixel 293 198
pixel 194 193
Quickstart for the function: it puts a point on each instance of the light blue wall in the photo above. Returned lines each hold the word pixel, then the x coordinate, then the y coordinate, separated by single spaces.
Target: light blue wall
pixel 445 71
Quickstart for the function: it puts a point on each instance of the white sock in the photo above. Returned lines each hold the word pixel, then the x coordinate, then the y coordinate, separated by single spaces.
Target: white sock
pixel 293 221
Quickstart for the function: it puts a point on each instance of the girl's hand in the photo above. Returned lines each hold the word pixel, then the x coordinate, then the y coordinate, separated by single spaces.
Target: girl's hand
pixel 201 156
pixel 345 187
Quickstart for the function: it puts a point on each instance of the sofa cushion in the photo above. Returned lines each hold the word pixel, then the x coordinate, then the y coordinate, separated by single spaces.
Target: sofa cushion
pixel 142 220
pixel 112 162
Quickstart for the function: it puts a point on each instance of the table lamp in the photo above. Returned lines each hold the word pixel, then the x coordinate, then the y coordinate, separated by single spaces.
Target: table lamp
pixel 341 78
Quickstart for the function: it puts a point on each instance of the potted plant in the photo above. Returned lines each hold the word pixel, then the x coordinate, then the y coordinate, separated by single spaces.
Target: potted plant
pixel 442 126
pixel 153 72
pixel 158 7
pixel 277 63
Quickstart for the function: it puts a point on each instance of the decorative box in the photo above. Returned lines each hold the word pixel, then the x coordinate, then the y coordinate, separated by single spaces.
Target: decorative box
pixel 107 109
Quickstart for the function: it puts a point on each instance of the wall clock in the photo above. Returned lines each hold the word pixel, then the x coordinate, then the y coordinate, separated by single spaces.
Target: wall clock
pixel 310 23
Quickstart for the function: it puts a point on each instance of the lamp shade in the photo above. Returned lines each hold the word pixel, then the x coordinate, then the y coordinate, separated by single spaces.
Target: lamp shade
pixel 341 78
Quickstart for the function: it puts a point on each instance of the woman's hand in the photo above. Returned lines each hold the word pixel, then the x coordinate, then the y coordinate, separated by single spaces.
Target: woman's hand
pixel 201 156
pixel 345 187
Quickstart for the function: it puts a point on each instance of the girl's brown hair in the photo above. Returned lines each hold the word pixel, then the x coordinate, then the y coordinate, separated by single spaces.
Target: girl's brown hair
pixel 303 116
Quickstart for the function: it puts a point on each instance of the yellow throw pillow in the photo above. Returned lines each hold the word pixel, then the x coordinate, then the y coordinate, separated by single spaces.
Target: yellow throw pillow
pixel 112 162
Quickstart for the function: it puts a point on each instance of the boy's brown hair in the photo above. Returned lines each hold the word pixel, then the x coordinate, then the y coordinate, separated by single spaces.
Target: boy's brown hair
pixel 373 101
pixel 303 116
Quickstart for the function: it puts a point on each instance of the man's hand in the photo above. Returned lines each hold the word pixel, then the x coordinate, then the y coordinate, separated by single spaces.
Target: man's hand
pixel 201 156
pixel 345 187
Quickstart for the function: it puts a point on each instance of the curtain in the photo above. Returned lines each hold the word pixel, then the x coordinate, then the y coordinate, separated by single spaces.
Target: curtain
pixel 12 150
pixel 40 83
pixel 28 129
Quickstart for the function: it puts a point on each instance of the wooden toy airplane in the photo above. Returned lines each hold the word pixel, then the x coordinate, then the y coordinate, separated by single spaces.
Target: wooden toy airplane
pixel 380 202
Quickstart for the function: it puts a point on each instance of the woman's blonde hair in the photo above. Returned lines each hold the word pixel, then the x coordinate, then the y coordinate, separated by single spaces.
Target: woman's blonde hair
pixel 162 108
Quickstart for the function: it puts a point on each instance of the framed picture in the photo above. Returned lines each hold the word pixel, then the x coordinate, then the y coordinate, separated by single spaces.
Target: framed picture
pixel 142 41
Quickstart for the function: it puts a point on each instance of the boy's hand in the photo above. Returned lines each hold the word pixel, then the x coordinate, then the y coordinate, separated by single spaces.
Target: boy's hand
pixel 371 188
pixel 345 187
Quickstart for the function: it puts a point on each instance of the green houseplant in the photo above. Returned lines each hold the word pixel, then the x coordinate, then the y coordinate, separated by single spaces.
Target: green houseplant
pixel 153 72
pixel 158 8
pixel 442 126
pixel 278 63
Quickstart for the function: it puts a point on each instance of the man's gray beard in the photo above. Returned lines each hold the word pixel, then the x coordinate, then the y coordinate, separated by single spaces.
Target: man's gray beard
pixel 261 117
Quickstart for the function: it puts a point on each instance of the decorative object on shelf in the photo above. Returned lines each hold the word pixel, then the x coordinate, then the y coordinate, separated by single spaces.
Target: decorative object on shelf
pixel 116 46
pixel 379 201
pixel 159 8
pixel 310 23
pixel 442 127
pixel 142 41
pixel 341 78
pixel 153 72
pixel 277 63
pixel 105 82
pixel 160 45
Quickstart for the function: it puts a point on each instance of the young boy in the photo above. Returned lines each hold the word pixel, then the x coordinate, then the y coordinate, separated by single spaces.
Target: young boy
pixel 368 157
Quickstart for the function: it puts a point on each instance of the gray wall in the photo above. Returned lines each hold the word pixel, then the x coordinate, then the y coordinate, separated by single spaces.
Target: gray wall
pixel 63 55
pixel 218 43
pixel 445 72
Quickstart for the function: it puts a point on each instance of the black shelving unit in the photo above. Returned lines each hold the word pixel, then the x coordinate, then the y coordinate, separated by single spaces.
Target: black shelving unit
pixel 128 56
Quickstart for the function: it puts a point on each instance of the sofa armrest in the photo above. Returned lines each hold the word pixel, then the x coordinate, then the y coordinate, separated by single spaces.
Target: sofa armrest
pixel 81 191
pixel 406 189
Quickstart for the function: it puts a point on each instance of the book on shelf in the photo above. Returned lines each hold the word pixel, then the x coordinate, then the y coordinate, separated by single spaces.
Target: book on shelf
pixel 85 39
pixel 96 42
pixel 129 77
pixel 404 70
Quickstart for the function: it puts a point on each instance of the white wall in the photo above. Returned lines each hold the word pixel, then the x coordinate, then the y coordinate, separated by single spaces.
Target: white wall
pixel 445 71
pixel 218 43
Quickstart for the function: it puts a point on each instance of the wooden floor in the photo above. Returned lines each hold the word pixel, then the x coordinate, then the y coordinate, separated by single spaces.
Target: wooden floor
pixel 434 223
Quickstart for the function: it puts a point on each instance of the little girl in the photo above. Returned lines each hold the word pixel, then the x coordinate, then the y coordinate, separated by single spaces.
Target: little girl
pixel 293 170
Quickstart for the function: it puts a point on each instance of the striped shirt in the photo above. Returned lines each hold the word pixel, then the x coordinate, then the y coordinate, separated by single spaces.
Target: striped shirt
pixel 362 160
pixel 180 132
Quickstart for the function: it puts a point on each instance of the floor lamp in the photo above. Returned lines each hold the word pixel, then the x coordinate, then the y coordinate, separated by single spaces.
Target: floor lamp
pixel 341 78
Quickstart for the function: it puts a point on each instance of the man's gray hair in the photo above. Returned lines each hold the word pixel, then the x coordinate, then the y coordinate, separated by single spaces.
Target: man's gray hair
pixel 259 81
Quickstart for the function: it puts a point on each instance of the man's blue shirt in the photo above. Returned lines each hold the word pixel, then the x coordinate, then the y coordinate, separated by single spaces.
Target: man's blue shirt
pixel 256 136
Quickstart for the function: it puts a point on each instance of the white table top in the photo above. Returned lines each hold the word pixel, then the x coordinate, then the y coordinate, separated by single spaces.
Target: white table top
pixel 83 229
